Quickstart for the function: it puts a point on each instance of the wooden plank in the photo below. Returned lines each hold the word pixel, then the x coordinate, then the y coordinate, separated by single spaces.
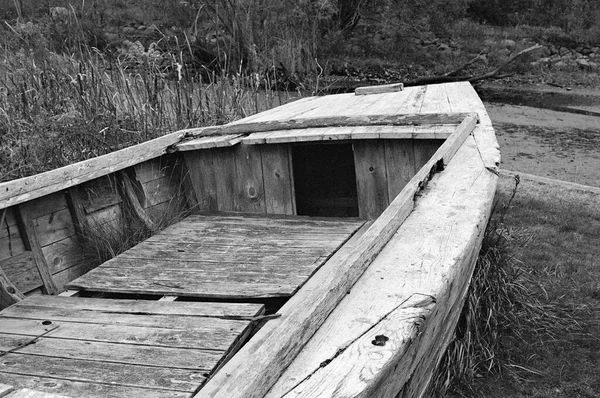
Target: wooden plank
pixel 186 187
pixel 326 242
pixel 110 217
pixel 22 271
pixel 122 306
pixel 237 255
pixel 350 373
pixel 157 315
pixel 278 179
pixel 233 234
pixel 47 205
pixel 68 274
pixel 63 254
pixel 11 245
pixel 414 100
pixel 201 171
pixel 306 135
pixel 75 206
pixel 29 188
pixel 85 390
pixel 249 195
pixel 222 252
pixel 127 190
pixel 99 194
pixel 187 288
pixel 168 357
pixel 384 88
pixel 9 220
pixel 54 227
pixel 29 234
pixel 258 365
pixel 463 96
pixel 441 131
pixel 212 334
pixel 9 294
pixel 210 142
pixel 171 273
pixel 218 273
pixel 371 178
pixel 115 374
pixel 168 213
pixel 330 121
pixel 152 169
pixel 293 223
pixel 160 190
pixel 224 165
pixel 436 100
pixel 400 165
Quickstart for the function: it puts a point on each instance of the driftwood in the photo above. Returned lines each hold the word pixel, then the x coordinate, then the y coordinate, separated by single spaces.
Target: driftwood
pixel 453 76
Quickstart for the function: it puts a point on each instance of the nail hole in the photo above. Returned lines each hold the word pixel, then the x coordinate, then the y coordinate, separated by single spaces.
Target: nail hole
pixel 380 340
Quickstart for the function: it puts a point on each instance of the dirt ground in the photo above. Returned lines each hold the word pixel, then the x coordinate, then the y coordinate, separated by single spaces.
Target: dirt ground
pixel 563 144
pixel 555 134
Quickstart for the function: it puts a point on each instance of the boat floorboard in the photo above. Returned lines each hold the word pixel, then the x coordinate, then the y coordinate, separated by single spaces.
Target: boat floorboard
pixel 93 347
pixel 108 347
pixel 231 257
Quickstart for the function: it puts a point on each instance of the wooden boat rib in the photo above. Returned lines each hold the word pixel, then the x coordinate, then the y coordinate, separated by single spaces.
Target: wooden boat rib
pixel 368 308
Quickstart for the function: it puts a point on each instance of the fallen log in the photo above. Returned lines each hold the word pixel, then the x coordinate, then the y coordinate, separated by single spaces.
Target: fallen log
pixel 453 76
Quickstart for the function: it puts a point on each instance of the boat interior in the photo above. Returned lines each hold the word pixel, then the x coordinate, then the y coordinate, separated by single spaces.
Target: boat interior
pixel 236 223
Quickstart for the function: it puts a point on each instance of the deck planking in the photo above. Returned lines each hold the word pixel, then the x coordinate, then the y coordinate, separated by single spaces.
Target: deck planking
pixel 91 347
pixel 223 257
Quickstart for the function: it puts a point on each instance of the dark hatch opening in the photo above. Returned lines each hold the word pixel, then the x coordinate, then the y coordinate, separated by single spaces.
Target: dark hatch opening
pixel 325 180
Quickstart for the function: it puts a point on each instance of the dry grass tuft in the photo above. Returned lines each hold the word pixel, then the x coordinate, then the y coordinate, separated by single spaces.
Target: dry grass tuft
pixel 503 310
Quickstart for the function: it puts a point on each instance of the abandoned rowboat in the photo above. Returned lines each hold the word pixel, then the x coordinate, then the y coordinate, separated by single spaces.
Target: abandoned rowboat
pixel 356 220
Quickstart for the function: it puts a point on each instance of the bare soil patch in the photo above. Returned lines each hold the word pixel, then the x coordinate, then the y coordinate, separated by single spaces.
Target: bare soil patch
pixel 549 143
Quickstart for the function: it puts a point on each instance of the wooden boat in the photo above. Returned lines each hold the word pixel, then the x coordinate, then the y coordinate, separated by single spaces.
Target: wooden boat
pixel 325 250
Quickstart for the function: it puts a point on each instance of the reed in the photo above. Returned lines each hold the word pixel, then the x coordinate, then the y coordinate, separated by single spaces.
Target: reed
pixel 61 108
pixel 502 310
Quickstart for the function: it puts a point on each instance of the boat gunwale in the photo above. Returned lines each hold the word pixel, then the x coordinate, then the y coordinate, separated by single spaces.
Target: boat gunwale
pixel 25 189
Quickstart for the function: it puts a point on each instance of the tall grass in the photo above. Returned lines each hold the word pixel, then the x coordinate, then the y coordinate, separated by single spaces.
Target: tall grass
pixel 59 108
pixel 501 309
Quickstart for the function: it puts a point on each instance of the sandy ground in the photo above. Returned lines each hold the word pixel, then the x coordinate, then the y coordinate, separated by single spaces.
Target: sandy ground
pixel 547 143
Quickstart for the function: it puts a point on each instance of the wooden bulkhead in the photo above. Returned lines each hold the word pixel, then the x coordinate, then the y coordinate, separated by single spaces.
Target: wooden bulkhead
pixel 260 177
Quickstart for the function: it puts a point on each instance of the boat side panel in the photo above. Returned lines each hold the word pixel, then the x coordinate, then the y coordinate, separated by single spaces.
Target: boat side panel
pixel 371 178
pixel 40 240
pixel 278 179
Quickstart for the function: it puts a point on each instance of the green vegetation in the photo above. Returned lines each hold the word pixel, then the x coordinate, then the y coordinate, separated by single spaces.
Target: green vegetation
pixel 60 108
pixel 82 78
pixel 531 323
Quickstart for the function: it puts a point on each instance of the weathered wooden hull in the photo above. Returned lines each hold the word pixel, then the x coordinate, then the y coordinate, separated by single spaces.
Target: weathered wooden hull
pixel 376 316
